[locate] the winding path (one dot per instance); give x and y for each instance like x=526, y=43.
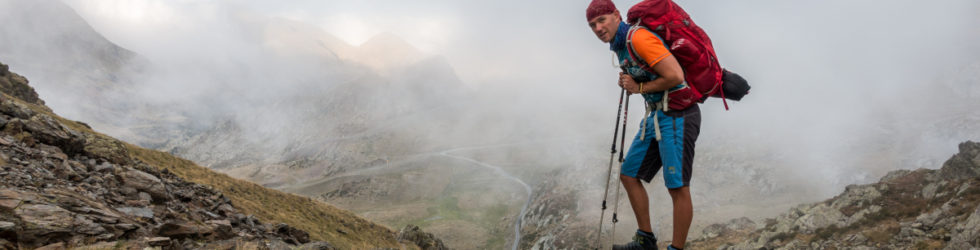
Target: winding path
x=445, y=153
x=501, y=172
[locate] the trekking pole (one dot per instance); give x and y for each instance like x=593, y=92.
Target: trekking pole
x=612, y=154
x=622, y=147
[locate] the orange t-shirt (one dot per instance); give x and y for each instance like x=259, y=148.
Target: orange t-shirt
x=649, y=47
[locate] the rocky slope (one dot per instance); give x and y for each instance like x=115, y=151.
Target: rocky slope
x=920, y=209
x=63, y=185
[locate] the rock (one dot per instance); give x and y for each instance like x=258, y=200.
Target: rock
x=85, y=226
x=129, y=191
x=181, y=229
x=45, y=218
x=965, y=164
x=158, y=241
x=292, y=235
x=226, y=210
x=143, y=196
x=48, y=131
x=966, y=235
x=894, y=175
x=106, y=245
x=142, y=212
x=147, y=183
x=278, y=245
x=319, y=245
x=100, y=146
x=929, y=191
x=819, y=216
x=222, y=229
x=55, y=246
x=105, y=167
x=426, y=241
x=64, y=171
x=17, y=86
x=126, y=226
x=10, y=199
x=739, y=224
x=16, y=110
x=6, y=245
x=43, y=223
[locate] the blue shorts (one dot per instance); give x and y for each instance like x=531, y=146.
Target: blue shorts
x=674, y=152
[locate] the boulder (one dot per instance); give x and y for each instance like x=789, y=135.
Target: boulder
x=426, y=241
x=17, y=86
x=10, y=199
x=11, y=108
x=222, y=229
x=147, y=183
x=292, y=235
x=45, y=218
x=43, y=223
x=100, y=146
x=48, y=131
x=965, y=164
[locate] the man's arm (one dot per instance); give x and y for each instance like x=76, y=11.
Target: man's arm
x=669, y=73
x=664, y=64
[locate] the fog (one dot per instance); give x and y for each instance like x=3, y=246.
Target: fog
x=835, y=83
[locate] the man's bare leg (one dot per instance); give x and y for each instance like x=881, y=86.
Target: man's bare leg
x=683, y=214
x=638, y=200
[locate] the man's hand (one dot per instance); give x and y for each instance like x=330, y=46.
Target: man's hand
x=626, y=81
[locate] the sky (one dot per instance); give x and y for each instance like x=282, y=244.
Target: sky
x=821, y=71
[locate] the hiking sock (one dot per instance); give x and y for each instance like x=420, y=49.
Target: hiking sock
x=672, y=247
x=645, y=233
x=641, y=241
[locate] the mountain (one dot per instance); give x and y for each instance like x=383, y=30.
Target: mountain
x=386, y=52
x=76, y=69
x=65, y=185
x=293, y=38
x=921, y=209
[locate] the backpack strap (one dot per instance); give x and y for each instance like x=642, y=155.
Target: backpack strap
x=631, y=50
x=639, y=61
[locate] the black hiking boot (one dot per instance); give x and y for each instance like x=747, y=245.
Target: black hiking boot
x=641, y=241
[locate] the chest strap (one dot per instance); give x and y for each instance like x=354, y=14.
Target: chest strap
x=650, y=108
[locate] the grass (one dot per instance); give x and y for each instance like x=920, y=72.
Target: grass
x=324, y=222
x=340, y=228
x=446, y=208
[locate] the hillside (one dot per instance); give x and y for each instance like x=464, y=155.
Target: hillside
x=920, y=209
x=64, y=184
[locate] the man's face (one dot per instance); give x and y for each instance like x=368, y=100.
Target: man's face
x=605, y=26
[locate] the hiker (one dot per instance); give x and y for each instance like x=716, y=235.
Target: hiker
x=666, y=138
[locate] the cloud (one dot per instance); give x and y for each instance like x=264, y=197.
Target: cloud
x=823, y=72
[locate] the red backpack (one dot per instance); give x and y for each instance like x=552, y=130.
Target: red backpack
x=688, y=42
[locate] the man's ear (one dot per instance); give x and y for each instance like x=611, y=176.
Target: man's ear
x=619, y=18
